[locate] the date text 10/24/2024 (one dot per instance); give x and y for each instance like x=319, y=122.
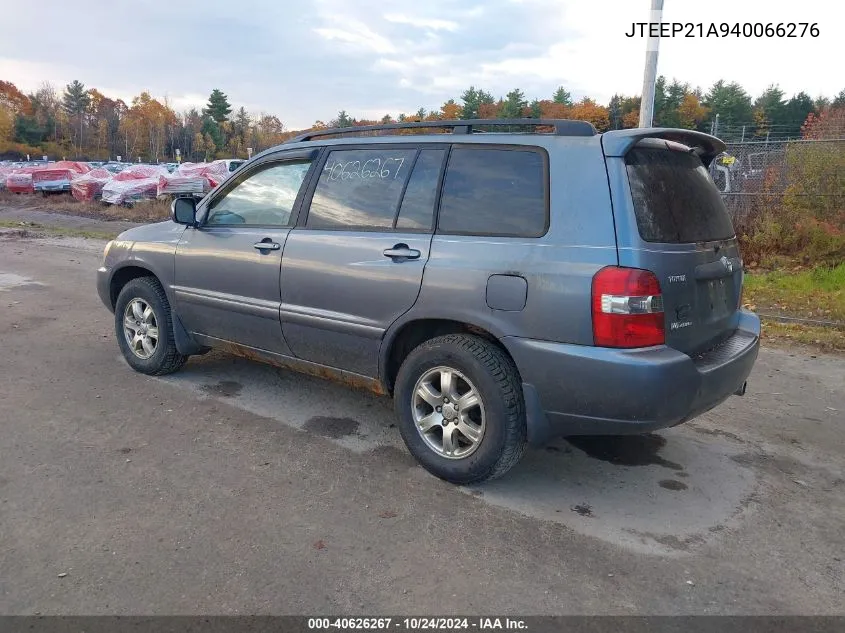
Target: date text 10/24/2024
x=418, y=624
x=723, y=29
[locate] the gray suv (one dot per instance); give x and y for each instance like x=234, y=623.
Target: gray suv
x=504, y=288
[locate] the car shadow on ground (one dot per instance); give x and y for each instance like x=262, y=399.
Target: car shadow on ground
x=661, y=493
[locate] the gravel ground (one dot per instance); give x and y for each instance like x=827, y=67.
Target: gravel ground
x=232, y=488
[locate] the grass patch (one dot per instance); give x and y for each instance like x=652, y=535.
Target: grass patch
x=817, y=293
x=32, y=229
x=828, y=339
x=143, y=211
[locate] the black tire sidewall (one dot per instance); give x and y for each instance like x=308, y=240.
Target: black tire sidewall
x=484, y=459
x=141, y=289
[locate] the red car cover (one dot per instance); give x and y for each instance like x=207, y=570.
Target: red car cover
x=57, y=176
x=20, y=180
x=137, y=182
x=193, y=178
x=89, y=186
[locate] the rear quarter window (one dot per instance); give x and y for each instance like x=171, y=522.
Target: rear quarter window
x=675, y=201
x=501, y=192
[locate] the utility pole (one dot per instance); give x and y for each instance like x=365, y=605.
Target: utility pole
x=650, y=75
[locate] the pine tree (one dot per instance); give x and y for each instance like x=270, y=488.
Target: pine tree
x=212, y=135
x=218, y=107
x=470, y=98
x=562, y=96
x=730, y=102
x=242, y=122
x=770, y=110
x=614, y=109
x=798, y=108
x=513, y=105
x=343, y=120
x=75, y=101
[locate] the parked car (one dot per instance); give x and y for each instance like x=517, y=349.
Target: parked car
x=89, y=186
x=134, y=183
x=502, y=288
x=115, y=167
x=196, y=179
x=233, y=163
x=56, y=177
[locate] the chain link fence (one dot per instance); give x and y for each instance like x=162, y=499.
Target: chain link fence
x=759, y=175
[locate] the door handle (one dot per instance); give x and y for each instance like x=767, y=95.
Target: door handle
x=401, y=251
x=267, y=246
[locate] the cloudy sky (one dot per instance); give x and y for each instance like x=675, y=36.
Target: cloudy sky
x=305, y=60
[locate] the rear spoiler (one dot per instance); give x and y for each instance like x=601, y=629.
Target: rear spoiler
x=705, y=146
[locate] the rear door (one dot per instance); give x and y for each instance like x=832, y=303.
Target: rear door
x=671, y=220
x=355, y=263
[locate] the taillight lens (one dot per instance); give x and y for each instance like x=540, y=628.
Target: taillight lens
x=627, y=308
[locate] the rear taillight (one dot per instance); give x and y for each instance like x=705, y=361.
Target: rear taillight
x=627, y=308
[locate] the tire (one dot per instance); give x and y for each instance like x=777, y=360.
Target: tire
x=162, y=357
x=486, y=370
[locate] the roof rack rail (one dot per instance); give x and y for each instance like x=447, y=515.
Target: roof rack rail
x=562, y=127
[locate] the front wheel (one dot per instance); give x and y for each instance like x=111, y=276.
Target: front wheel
x=144, y=328
x=460, y=407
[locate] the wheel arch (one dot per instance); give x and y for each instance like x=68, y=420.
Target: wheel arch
x=404, y=337
x=185, y=342
x=124, y=275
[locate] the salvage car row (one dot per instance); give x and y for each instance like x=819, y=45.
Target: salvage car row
x=115, y=183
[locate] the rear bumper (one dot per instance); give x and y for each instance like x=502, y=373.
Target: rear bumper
x=582, y=390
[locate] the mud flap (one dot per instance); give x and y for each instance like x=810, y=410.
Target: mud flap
x=185, y=343
x=538, y=428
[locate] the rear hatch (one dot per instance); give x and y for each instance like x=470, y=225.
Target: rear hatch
x=671, y=220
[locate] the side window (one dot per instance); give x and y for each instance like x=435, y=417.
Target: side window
x=360, y=188
x=266, y=197
x=421, y=193
x=494, y=192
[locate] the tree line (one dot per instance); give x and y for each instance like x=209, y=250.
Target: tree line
x=81, y=122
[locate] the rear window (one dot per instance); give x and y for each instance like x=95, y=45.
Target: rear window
x=360, y=188
x=494, y=192
x=674, y=198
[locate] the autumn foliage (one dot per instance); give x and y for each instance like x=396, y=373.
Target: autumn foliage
x=84, y=123
x=800, y=209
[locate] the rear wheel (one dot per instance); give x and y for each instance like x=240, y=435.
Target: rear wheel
x=460, y=408
x=144, y=328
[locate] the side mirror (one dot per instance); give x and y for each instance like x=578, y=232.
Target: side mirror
x=184, y=211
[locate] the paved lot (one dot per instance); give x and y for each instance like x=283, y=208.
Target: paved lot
x=232, y=487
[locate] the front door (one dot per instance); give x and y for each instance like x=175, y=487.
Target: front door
x=355, y=264
x=227, y=268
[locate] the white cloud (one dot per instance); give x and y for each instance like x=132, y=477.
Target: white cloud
x=187, y=101
x=359, y=35
x=433, y=62
x=28, y=75
x=423, y=23
x=364, y=56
